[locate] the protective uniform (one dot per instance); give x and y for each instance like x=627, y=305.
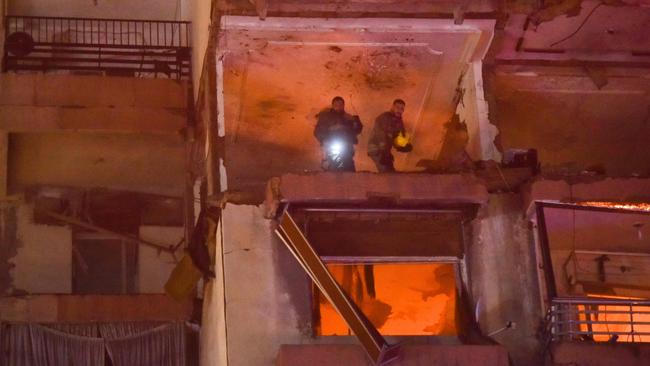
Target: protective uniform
x=342, y=126
x=330, y=121
x=387, y=127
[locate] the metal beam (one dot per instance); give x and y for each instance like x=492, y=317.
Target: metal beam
x=85, y=225
x=549, y=276
x=376, y=347
x=579, y=207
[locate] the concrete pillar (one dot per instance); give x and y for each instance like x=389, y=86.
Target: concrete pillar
x=474, y=111
x=503, y=277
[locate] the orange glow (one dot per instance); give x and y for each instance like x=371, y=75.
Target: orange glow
x=625, y=206
x=620, y=328
x=410, y=299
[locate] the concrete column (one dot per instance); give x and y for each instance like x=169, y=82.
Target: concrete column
x=474, y=111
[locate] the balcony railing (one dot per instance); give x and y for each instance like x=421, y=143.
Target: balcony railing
x=149, y=48
x=600, y=320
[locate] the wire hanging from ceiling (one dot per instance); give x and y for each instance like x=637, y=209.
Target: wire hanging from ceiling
x=579, y=27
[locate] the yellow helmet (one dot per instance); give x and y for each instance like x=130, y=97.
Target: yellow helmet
x=401, y=140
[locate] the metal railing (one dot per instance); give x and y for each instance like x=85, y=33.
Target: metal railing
x=591, y=319
x=141, y=47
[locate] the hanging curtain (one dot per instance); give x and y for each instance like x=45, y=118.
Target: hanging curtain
x=145, y=344
x=79, y=329
x=15, y=345
x=52, y=347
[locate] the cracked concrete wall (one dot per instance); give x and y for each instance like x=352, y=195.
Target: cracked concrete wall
x=574, y=124
x=37, y=259
x=267, y=293
x=43, y=261
x=473, y=111
x=503, y=277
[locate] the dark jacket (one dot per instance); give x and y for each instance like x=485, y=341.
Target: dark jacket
x=387, y=127
x=332, y=122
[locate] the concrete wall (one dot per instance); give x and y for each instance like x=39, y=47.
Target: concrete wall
x=267, y=293
x=40, y=256
x=131, y=128
x=154, y=267
x=503, y=278
x=138, y=163
x=573, y=123
x=43, y=262
x=213, y=342
x=56, y=103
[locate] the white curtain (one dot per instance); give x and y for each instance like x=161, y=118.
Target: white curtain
x=15, y=345
x=145, y=344
x=51, y=347
x=128, y=344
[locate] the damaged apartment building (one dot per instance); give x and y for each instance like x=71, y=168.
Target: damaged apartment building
x=164, y=199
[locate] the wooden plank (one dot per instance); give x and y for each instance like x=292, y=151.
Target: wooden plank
x=620, y=270
x=376, y=347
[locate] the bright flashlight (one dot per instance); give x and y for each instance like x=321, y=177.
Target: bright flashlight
x=336, y=148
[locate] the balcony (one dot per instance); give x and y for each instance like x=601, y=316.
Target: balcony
x=136, y=48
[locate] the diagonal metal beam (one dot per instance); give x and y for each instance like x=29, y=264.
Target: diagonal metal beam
x=85, y=225
x=380, y=352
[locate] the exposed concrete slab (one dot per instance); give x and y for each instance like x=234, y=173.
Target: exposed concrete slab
x=47, y=90
x=410, y=355
x=447, y=188
x=95, y=119
x=601, y=354
x=599, y=189
x=89, y=308
x=54, y=103
x=43, y=308
x=137, y=163
x=18, y=89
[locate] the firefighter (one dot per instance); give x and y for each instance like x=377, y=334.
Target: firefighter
x=387, y=133
x=337, y=132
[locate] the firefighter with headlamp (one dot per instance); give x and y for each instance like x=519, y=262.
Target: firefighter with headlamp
x=337, y=132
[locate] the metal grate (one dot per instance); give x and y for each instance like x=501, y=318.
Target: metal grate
x=149, y=48
x=590, y=319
